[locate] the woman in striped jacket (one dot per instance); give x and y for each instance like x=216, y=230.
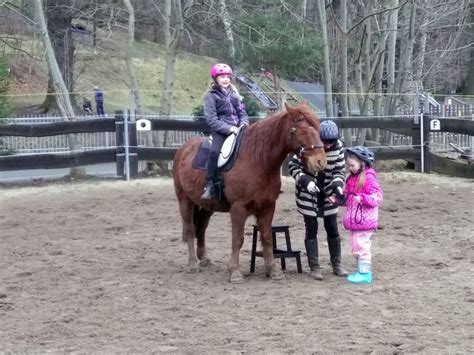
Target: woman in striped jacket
x=312, y=199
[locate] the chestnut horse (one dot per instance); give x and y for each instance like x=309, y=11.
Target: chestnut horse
x=252, y=185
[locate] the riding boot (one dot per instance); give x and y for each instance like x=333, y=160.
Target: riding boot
x=334, y=245
x=209, y=190
x=313, y=259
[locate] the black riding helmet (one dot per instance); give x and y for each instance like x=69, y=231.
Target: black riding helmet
x=363, y=153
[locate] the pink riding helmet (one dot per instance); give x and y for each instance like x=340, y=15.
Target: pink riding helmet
x=220, y=69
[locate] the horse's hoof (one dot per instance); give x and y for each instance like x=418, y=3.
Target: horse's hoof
x=193, y=268
x=205, y=262
x=236, y=277
x=275, y=274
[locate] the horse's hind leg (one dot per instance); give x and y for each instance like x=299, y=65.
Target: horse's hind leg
x=186, y=209
x=201, y=221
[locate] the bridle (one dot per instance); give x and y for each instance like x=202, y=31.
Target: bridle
x=301, y=148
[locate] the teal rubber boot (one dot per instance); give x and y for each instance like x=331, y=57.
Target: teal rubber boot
x=364, y=273
x=359, y=278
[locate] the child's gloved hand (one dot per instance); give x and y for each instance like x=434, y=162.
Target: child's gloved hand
x=234, y=129
x=335, y=184
x=337, y=199
x=312, y=188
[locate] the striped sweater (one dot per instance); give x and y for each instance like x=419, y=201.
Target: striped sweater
x=318, y=204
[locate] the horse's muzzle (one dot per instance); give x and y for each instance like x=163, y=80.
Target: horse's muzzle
x=316, y=164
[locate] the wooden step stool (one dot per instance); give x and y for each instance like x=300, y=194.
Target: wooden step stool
x=278, y=252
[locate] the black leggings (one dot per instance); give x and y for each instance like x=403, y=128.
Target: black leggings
x=217, y=142
x=330, y=225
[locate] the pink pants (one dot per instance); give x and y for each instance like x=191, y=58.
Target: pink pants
x=359, y=242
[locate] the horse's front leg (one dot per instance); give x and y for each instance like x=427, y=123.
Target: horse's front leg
x=186, y=208
x=238, y=215
x=264, y=223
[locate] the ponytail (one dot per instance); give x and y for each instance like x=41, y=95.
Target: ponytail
x=234, y=89
x=361, y=180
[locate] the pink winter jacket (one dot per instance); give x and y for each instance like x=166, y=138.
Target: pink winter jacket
x=363, y=216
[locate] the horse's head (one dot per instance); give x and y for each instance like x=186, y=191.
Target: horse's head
x=304, y=139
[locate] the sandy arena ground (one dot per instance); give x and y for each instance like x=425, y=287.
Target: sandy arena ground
x=100, y=267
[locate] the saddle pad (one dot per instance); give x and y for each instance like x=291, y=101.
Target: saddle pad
x=202, y=155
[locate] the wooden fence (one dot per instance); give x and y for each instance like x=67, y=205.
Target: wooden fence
x=417, y=128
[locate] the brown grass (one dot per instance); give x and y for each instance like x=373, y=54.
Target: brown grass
x=105, y=66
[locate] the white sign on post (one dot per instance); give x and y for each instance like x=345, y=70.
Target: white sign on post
x=143, y=125
x=435, y=125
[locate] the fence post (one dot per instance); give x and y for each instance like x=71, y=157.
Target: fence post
x=132, y=149
x=426, y=144
x=416, y=141
x=119, y=142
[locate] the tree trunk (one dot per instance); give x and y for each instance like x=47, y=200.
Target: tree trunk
x=172, y=42
x=59, y=22
x=61, y=92
x=227, y=21
x=470, y=74
x=406, y=51
x=366, y=78
x=391, y=55
x=130, y=67
x=378, y=79
x=344, y=75
x=419, y=61
x=327, y=65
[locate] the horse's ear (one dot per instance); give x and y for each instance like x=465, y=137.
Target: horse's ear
x=289, y=109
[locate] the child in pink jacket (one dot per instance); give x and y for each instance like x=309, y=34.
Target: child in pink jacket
x=363, y=195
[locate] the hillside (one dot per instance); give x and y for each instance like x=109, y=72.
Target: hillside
x=106, y=68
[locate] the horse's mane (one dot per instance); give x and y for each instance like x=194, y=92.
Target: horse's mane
x=309, y=115
x=260, y=137
x=268, y=133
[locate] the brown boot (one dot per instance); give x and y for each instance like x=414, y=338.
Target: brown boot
x=334, y=245
x=313, y=259
x=316, y=274
x=339, y=270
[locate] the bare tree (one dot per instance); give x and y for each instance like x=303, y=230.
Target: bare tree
x=173, y=36
x=344, y=96
x=327, y=66
x=227, y=21
x=470, y=77
x=129, y=58
x=59, y=19
x=60, y=89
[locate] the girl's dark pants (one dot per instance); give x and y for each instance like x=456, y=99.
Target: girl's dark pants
x=209, y=190
x=311, y=241
x=217, y=142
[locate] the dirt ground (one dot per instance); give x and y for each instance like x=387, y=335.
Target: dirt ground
x=100, y=267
